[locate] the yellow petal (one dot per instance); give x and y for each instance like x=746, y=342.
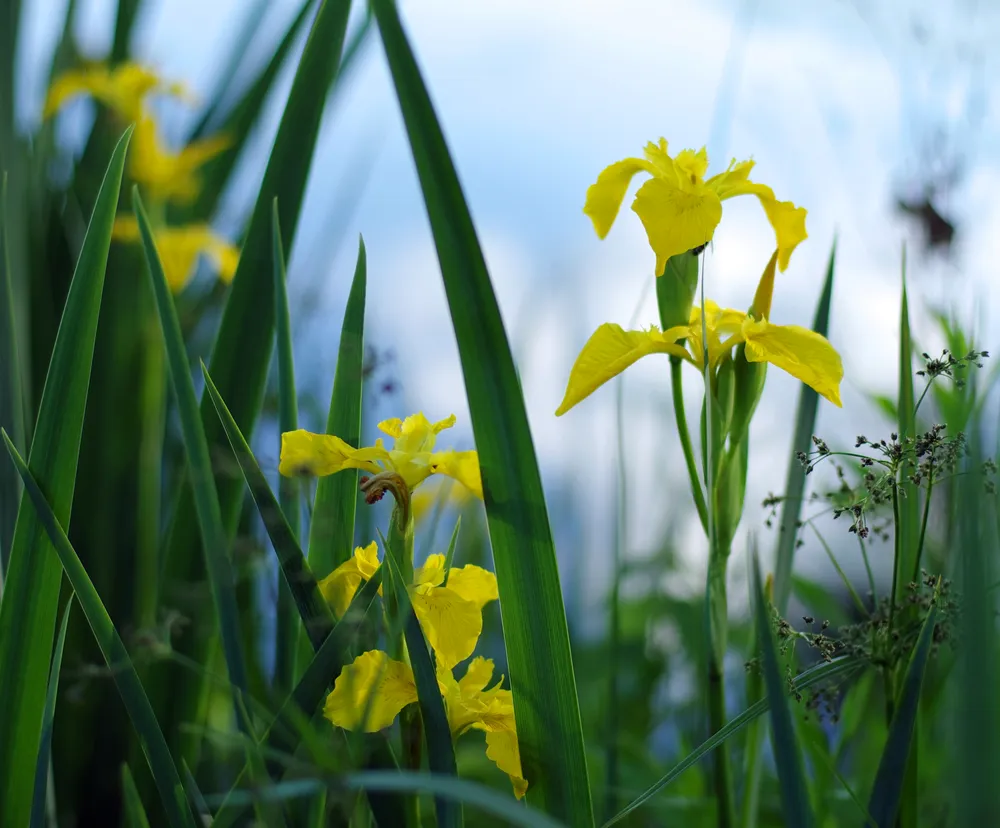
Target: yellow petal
x=338, y=588
x=303, y=452
x=737, y=173
x=502, y=748
x=72, y=83
x=761, y=307
x=125, y=228
x=605, y=196
x=477, y=676
x=366, y=558
x=451, y=624
x=462, y=466
x=372, y=683
x=166, y=174
x=473, y=583
x=804, y=354
x=788, y=221
x=121, y=89
x=692, y=164
x=676, y=219
x=609, y=351
x=431, y=573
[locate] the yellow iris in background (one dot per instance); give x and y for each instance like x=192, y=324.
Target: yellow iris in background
x=381, y=687
x=450, y=615
x=803, y=353
x=412, y=455
x=679, y=208
x=167, y=175
x=122, y=89
x=180, y=247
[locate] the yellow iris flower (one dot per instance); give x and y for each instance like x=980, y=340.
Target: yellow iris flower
x=179, y=248
x=166, y=175
x=679, y=208
x=121, y=89
x=803, y=353
x=450, y=616
x=382, y=687
x=412, y=455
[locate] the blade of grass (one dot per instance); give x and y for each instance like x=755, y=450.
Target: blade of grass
x=28, y=612
x=883, y=805
x=42, y=767
x=11, y=391
x=819, y=674
x=795, y=476
x=116, y=657
x=194, y=794
x=135, y=814
x=206, y=498
x=288, y=487
x=331, y=533
x=437, y=734
x=534, y=618
x=791, y=775
x=241, y=356
x=296, y=573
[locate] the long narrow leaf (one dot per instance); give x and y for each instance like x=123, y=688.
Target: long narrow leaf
x=135, y=814
x=112, y=647
x=437, y=734
x=206, y=497
x=534, y=618
x=45, y=750
x=331, y=533
x=795, y=476
x=791, y=774
x=295, y=570
x=819, y=674
x=288, y=487
x=909, y=502
x=28, y=613
x=885, y=798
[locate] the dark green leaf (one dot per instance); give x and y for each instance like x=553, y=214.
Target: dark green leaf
x=135, y=814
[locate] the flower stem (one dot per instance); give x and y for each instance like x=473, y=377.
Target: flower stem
x=717, y=610
x=923, y=524
x=682, y=430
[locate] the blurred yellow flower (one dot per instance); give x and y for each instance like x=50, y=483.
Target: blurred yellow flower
x=121, y=89
x=179, y=248
x=679, y=208
x=382, y=687
x=412, y=455
x=450, y=615
x=428, y=497
x=804, y=354
x=166, y=175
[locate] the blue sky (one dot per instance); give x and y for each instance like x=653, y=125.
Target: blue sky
x=836, y=102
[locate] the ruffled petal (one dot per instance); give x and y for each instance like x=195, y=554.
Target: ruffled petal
x=462, y=466
x=605, y=196
x=303, y=452
x=338, y=588
x=502, y=748
x=676, y=219
x=804, y=354
x=738, y=172
x=431, y=573
x=473, y=583
x=477, y=676
x=609, y=351
x=372, y=683
x=366, y=558
x=451, y=624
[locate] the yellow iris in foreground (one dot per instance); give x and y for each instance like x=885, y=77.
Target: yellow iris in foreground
x=679, y=208
x=121, y=89
x=382, y=687
x=412, y=455
x=164, y=174
x=179, y=248
x=451, y=615
x=804, y=354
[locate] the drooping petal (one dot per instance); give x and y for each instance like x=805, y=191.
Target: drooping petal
x=372, y=683
x=804, y=354
x=502, y=748
x=431, y=573
x=676, y=219
x=605, y=196
x=303, y=452
x=462, y=466
x=166, y=174
x=366, y=558
x=473, y=583
x=121, y=89
x=451, y=624
x=609, y=351
x=788, y=221
x=339, y=587
x=477, y=676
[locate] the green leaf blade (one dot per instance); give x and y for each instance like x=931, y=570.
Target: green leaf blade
x=534, y=619
x=28, y=613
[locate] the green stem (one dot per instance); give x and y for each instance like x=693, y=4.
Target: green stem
x=682, y=430
x=887, y=676
x=923, y=525
x=718, y=632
